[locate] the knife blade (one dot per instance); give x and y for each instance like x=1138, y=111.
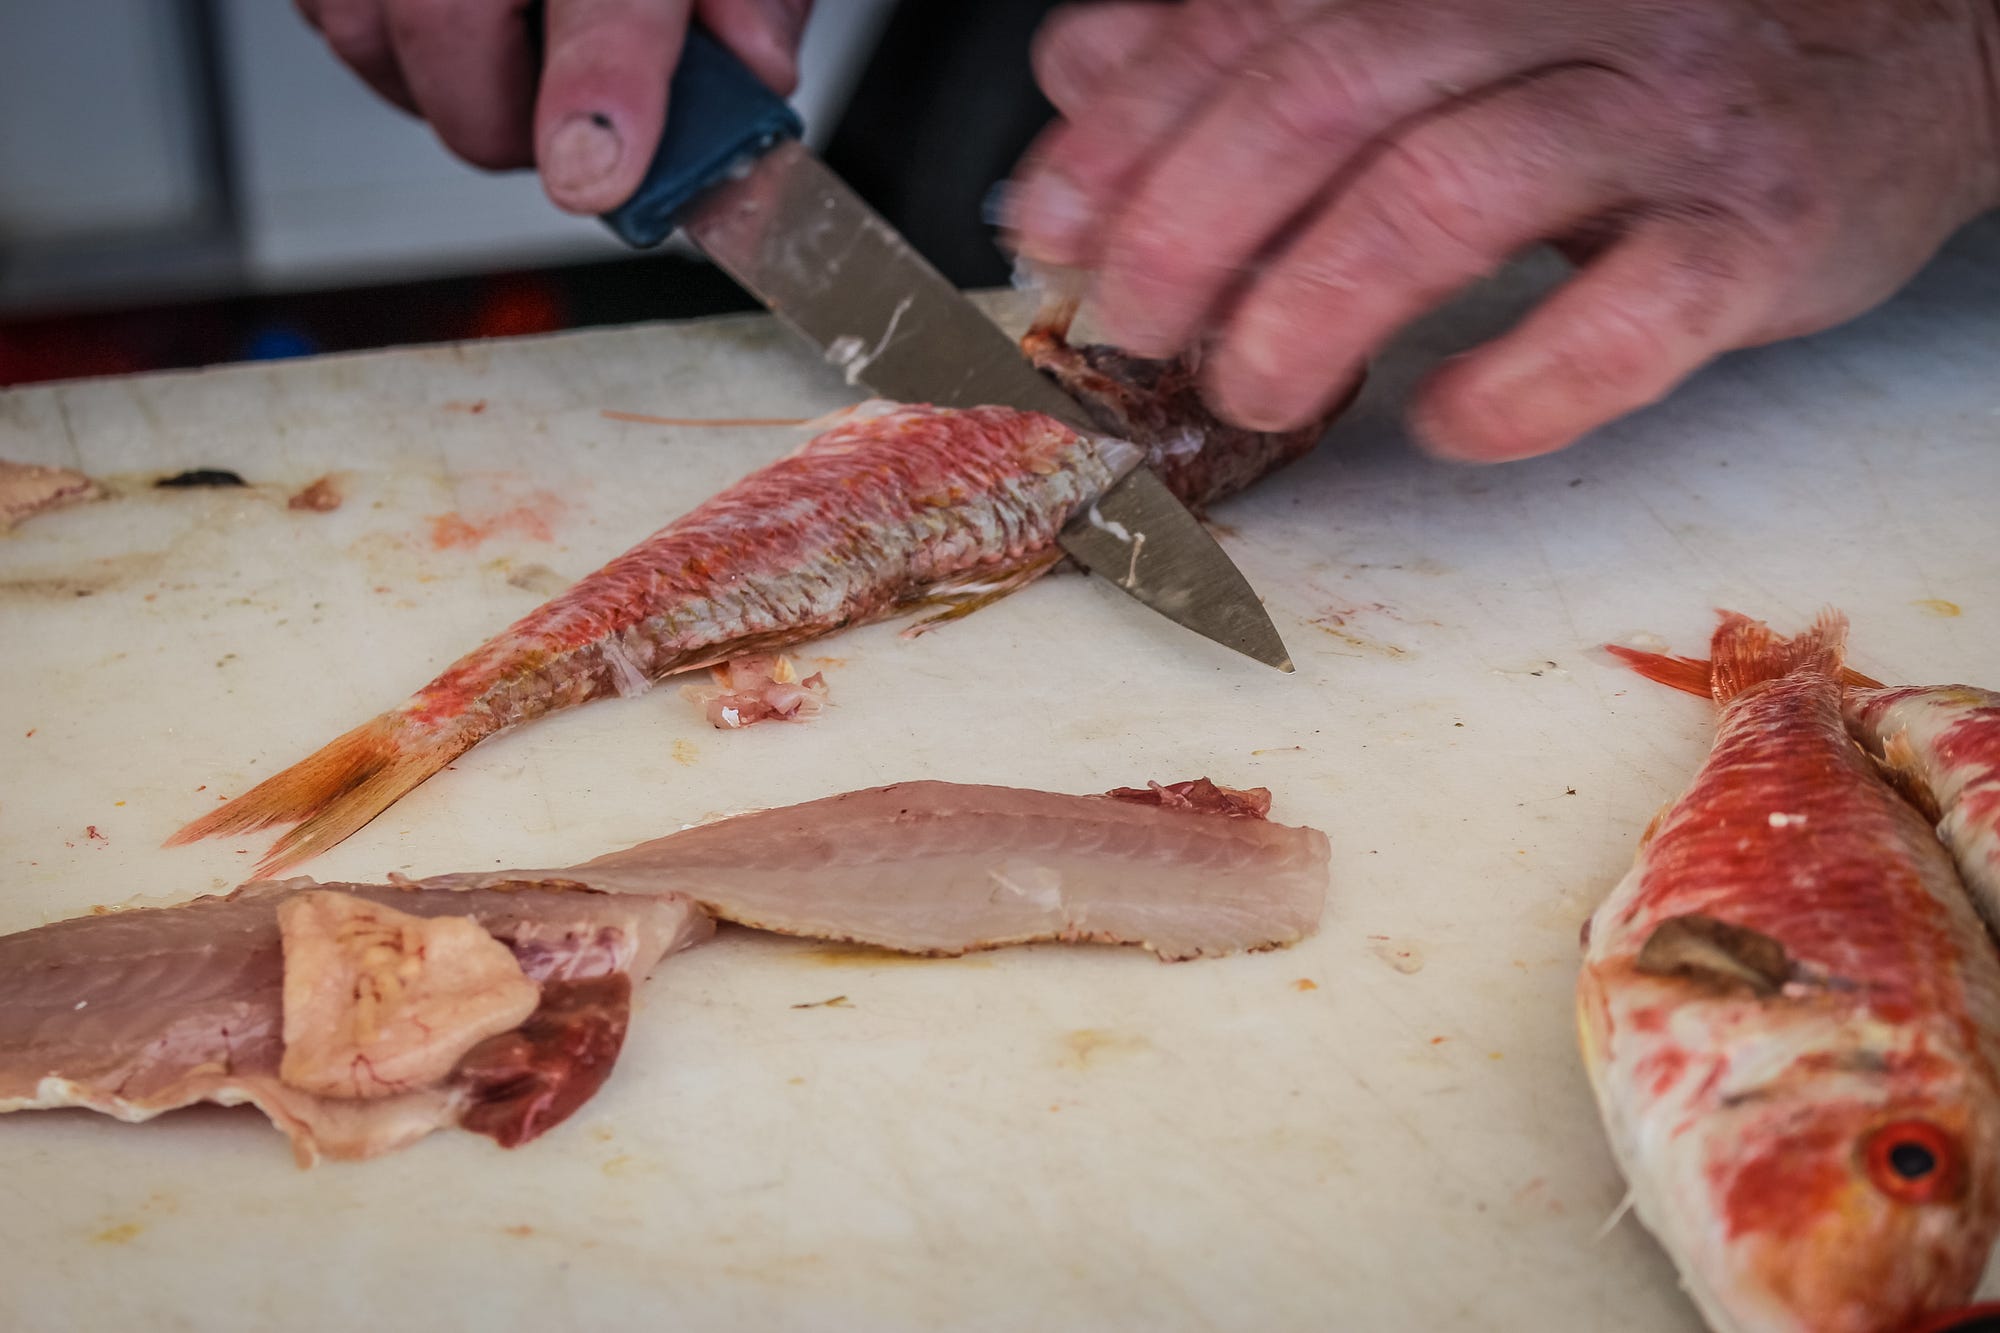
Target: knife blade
x=733, y=176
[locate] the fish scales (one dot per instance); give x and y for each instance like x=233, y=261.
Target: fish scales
x=891, y=509
x=1942, y=743
x=1789, y=1011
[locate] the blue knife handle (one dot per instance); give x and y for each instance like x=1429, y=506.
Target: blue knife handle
x=718, y=115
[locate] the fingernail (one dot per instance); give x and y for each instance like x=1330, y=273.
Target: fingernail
x=580, y=152
x=1051, y=217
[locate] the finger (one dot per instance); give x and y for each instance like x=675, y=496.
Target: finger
x=1656, y=307
x=603, y=97
x=764, y=34
x=357, y=31
x=1446, y=202
x=1278, y=135
x=1079, y=46
x=1080, y=166
x=468, y=66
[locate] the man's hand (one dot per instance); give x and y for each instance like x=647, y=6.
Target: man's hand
x=592, y=118
x=1291, y=182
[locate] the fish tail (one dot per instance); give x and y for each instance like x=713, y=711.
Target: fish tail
x=1686, y=674
x=334, y=791
x=1748, y=652
x=1690, y=675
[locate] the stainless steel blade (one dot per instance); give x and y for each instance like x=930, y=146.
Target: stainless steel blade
x=1142, y=539
x=793, y=233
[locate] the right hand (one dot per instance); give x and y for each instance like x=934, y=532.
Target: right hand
x=590, y=120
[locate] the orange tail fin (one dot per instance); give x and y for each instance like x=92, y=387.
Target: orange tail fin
x=1754, y=653
x=333, y=792
x=1687, y=674
x=1748, y=652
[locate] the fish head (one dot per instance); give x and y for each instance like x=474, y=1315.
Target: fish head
x=1837, y=1200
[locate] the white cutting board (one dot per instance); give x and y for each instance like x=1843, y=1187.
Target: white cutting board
x=1382, y=1128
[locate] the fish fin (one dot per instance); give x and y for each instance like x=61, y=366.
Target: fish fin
x=1690, y=674
x=960, y=602
x=1617, y=1216
x=1716, y=953
x=1687, y=674
x=334, y=791
x=1903, y=767
x=1748, y=652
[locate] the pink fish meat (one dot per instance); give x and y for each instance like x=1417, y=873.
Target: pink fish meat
x=1187, y=871
x=138, y=1012
x=361, y=1017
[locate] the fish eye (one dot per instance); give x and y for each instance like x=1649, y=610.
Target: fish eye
x=1912, y=1160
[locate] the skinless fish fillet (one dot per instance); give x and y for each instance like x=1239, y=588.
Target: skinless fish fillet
x=944, y=868
x=135, y=1013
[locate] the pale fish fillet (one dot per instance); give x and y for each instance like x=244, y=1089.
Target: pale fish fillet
x=1186, y=871
x=139, y=1012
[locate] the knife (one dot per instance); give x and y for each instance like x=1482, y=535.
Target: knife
x=732, y=175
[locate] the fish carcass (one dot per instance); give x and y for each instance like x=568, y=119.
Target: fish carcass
x=1788, y=1011
x=892, y=509
x=359, y=1018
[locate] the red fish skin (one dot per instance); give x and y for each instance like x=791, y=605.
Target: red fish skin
x=1836, y=881
x=1941, y=745
x=883, y=513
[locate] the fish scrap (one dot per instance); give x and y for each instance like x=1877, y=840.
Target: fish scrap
x=358, y=1018
x=27, y=489
x=893, y=509
x=1788, y=1011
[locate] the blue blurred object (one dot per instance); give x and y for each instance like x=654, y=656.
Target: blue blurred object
x=278, y=342
x=718, y=115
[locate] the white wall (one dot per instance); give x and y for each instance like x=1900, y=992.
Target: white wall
x=100, y=134
x=98, y=121
x=341, y=187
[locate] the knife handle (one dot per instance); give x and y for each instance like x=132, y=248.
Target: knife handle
x=718, y=116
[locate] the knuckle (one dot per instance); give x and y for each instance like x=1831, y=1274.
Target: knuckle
x=1310, y=96
x=1613, y=351
x=1429, y=200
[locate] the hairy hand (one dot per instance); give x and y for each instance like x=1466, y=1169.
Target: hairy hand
x=590, y=118
x=1289, y=182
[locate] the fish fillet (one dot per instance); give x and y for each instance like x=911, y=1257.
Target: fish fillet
x=945, y=868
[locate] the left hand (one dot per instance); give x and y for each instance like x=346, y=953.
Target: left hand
x=1291, y=181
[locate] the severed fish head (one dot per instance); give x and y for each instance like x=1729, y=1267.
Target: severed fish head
x=1807, y=1182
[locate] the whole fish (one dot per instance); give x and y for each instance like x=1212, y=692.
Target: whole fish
x=1941, y=743
x=1788, y=1012
x=888, y=511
